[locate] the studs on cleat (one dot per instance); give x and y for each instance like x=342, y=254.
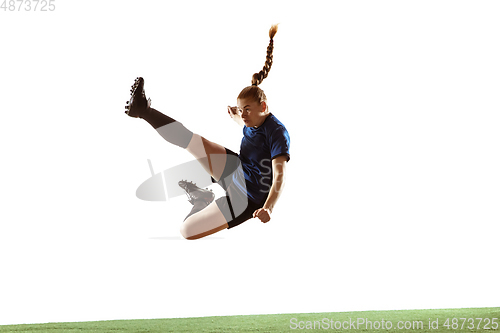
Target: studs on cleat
x=138, y=102
x=195, y=194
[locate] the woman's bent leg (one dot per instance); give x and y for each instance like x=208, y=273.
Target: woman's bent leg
x=206, y=222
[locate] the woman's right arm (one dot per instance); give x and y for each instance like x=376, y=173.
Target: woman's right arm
x=234, y=114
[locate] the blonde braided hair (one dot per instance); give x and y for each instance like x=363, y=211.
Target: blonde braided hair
x=254, y=92
x=257, y=78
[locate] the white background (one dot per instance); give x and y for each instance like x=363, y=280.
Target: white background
x=392, y=195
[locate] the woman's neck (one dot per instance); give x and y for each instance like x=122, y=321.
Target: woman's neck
x=262, y=120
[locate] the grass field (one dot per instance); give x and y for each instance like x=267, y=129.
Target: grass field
x=467, y=320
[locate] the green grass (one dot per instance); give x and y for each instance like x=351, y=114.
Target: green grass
x=282, y=323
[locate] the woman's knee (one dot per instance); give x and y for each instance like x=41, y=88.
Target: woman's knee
x=203, y=223
x=186, y=230
x=190, y=230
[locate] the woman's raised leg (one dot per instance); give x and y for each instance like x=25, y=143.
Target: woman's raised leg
x=212, y=156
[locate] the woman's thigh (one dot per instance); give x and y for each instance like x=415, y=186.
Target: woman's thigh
x=206, y=222
x=211, y=155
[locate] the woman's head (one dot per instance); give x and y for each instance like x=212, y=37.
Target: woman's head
x=254, y=97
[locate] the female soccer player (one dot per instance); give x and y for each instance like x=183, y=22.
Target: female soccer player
x=253, y=180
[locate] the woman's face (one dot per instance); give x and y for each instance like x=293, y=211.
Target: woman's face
x=253, y=113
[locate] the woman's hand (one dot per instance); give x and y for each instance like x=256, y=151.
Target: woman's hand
x=263, y=214
x=232, y=110
x=235, y=115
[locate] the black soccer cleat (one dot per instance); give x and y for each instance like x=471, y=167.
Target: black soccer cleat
x=194, y=193
x=138, y=103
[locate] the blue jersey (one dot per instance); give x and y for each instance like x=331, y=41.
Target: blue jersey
x=259, y=147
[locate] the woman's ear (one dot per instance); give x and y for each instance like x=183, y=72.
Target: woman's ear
x=264, y=106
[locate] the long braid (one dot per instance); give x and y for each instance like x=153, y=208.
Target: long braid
x=257, y=78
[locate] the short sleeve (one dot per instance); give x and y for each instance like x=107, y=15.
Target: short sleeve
x=280, y=143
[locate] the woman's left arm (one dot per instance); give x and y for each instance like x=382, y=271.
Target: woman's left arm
x=279, y=170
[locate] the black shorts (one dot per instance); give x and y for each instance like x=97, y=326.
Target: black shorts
x=235, y=207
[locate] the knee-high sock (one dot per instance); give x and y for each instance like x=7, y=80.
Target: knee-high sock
x=170, y=129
